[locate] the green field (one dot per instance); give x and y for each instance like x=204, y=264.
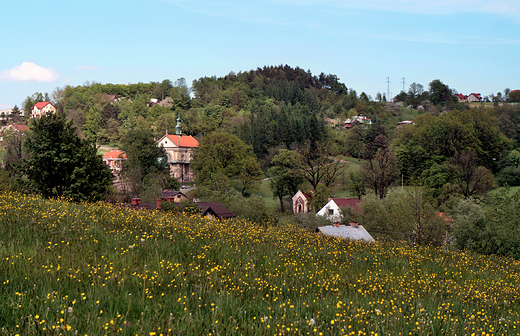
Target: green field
x=95, y=269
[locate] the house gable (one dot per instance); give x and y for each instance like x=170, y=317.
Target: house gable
x=332, y=210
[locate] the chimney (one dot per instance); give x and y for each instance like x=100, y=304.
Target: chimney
x=336, y=224
x=159, y=200
x=136, y=201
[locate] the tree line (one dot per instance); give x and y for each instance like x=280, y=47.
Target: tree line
x=275, y=123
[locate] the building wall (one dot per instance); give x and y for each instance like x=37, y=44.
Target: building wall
x=179, y=159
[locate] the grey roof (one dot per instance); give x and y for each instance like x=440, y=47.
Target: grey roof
x=355, y=232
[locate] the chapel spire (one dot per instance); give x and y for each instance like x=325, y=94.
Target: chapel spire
x=178, y=128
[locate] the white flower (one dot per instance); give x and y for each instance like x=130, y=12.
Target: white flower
x=311, y=322
x=378, y=311
x=265, y=318
x=70, y=310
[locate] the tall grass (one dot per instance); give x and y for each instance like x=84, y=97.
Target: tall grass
x=97, y=269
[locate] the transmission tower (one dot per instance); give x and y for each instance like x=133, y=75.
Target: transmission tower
x=403, y=82
x=387, y=88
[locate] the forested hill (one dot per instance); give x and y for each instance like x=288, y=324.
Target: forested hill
x=270, y=107
x=267, y=107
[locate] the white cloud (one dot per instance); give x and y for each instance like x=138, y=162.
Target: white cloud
x=87, y=67
x=29, y=72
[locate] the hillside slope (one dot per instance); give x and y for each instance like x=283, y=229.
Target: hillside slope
x=100, y=269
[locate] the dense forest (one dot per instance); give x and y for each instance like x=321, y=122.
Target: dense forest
x=287, y=124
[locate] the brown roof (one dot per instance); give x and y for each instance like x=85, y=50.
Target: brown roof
x=171, y=193
x=344, y=202
x=215, y=208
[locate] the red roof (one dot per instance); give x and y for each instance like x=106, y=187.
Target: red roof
x=343, y=202
x=183, y=141
x=40, y=105
x=21, y=127
x=461, y=96
x=114, y=154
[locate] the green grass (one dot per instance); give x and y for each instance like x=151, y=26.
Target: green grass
x=273, y=204
x=93, y=269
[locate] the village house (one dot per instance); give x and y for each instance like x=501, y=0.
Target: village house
x=42, y=108
x=173, y=196
x=179, y=150
x=404, y=122
x=474, y=97
x=302, y=202
x=12, y=128
x=461, y=98
x=114, y=160
x=8, y=114
x=332, y=210
x=360, y=119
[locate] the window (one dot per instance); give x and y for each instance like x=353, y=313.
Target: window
x=331, y=211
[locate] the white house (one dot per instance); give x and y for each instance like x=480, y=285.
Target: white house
x=332, y=210
x=42, y=108
x=474, y=97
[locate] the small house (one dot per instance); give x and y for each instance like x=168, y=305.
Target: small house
x=42, y=108
x=332, y=210
x=114, y=160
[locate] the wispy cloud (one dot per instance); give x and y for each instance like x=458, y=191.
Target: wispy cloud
x=508, y=8
x=87, y=67
x=29, y=72
x=262, y=10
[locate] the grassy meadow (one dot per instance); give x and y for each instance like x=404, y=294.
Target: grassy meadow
x=95, y=269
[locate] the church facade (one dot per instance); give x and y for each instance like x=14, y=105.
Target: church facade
x=179, y=150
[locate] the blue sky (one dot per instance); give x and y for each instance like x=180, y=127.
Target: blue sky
x=472, y=46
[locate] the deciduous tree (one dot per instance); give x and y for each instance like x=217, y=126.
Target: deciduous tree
x=285, y=175
x=318, y=164
x=468, y=175
x=381, y=171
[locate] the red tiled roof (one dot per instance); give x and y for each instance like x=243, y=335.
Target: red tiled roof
x=183, y=141
x=40, y=105
x=21, y=127
x=343, y=202
x=114, y=154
